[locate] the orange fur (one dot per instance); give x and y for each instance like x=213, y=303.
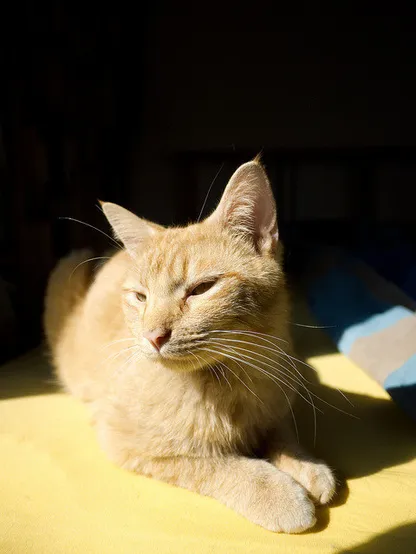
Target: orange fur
x=198, y=412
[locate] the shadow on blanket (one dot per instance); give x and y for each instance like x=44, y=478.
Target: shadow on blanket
x=356, y=442
x=395, y=540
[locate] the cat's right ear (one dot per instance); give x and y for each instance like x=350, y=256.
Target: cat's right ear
x=128, y=228
x=247, y=207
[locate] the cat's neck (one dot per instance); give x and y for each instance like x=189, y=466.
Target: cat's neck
x=230, y=384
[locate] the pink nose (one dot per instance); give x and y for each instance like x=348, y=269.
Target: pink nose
x=158, y=337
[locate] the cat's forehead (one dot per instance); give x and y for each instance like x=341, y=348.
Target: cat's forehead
x=180, y=255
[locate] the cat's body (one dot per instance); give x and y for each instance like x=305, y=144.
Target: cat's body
x=171, y=347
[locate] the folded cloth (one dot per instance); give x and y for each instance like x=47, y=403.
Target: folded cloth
x=371, y=320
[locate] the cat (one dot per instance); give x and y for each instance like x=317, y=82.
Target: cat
x=180, y=347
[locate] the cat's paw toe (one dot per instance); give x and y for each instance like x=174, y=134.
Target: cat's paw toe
x=297, y=512
x=282, y=506
x=319, y=481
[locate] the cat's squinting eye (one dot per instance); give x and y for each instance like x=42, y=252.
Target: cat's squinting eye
x=202, y=288
x=140, y=297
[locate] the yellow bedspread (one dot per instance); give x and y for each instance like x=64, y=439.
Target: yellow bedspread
x=59, y=493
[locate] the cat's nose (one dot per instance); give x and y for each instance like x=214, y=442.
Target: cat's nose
x=158, y=337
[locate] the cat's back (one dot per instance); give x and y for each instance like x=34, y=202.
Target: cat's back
x=82, y=314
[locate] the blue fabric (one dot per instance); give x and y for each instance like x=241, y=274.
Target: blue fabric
x=371, y=325
x=401, y=385
x=342, y=302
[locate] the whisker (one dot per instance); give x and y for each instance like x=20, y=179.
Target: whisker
x=291, y=377
x=215, y=373
x=291, y=357
x=85, y=261
x=92, y=227
x=266, y=348
x=272, y=376
x=221, y=373
x=224, y=375
x=261, y=337
x=239, y=348
x=213, y=369
x=239, y=365
x=312, y=326
x=192, y=354
x=115, y=355
x=247, y=332
x=210, y=367
x=115, y=342
x=272, y=360
x=193, y=363
x=209, y=190
x=129, y=360
x=280, y=387
x=311, y=367
x=242, y=382
x=317, y=397
x=134, y=357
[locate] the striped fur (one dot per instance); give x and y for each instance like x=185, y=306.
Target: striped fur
x=195, y=413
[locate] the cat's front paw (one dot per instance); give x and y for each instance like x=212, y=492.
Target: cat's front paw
x=295, y=512
x=315, y=476
x=284, y=506
x=319, y=481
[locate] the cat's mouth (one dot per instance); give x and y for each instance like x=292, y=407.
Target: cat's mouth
x=168, y=354
x=185, y=355
x=180, y=360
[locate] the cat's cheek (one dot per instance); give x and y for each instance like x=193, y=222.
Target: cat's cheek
x=133, y=316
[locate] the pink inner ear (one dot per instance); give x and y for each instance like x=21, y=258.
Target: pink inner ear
x=265, y=212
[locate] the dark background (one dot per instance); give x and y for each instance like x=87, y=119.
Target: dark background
x=142, y=105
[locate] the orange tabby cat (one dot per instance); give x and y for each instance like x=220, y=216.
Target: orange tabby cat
x=172, y=346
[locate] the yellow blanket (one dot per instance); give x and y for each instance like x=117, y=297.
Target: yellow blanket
x=59, y=493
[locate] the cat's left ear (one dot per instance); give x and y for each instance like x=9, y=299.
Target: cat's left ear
x=248, y=208
x=130, y=229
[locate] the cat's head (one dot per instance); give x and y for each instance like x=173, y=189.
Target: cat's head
x=189, y=288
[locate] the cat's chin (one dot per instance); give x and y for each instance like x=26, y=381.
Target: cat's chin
x=181, y=364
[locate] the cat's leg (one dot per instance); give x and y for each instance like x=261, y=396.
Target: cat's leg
x=314, y=475
x=253, y=488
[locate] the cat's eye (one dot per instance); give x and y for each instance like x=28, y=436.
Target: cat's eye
x=141, y=297
x=202, y=288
